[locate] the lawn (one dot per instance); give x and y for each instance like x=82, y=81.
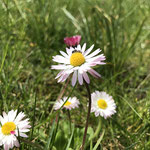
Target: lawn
x=33, y=31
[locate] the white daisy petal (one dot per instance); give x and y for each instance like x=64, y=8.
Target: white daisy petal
x=19, y=117
x=102, y=104
x=23, y=135
x=12, y=115
x=83, y=48
x=5, y=116
x=2, y=120
x=64, y=54
x=59, y=67
x=16, y=143
x=74, y=78
x=94, y=73
x=86, y=78
x=88, y=51
x=63, y=77
x=80, y=78
x=59, y=74
x=94, y=53
x=78, y=47
x=69, y=50
x=61, y=59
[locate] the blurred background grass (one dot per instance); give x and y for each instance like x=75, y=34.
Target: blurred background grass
x=32, y=31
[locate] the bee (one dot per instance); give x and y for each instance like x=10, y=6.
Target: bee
x=76, y=51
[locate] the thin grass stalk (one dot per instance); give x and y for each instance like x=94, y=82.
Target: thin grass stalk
x=2, y=103
x=99, y=140
x=97, y=129
x=96, y=133
x=32, y=144
x=55, y=132
x=88, y=116
x=71, y=138
x=49, y=141
x=33, y=118
x=69, y=116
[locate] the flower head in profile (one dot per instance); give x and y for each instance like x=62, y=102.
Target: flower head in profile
x=13, y=125
x=72, y=41
x=71, y=103
x=78, y=61
x=103, y=104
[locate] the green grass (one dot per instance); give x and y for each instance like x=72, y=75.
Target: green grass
x=32, y=31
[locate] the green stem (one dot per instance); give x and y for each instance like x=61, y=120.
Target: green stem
x=88, y=115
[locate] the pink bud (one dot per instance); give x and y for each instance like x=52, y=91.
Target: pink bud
x=72, y=41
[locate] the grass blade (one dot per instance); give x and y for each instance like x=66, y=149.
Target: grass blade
x=137, y=35
x=33, y=122
x=69, y=142
x=50, y=136
x=132, y=108
x=39, y=147
x=99, y=140
x=70, y=16
x=4, y=55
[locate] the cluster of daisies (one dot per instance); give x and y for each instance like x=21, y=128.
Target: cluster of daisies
x=77, y=62
x=102, y=104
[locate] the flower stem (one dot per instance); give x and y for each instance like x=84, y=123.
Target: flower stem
x=88, y=115
x=64, y=89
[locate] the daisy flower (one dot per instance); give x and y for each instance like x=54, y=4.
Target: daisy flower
x=13, y=125
x=71, y=103
x=78, y=61
x=102, y=104
x=72, y=41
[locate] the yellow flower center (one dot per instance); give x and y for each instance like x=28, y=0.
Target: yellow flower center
x=67, y=103
x=77, y=59
x=8, y=127
x=102, y=104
